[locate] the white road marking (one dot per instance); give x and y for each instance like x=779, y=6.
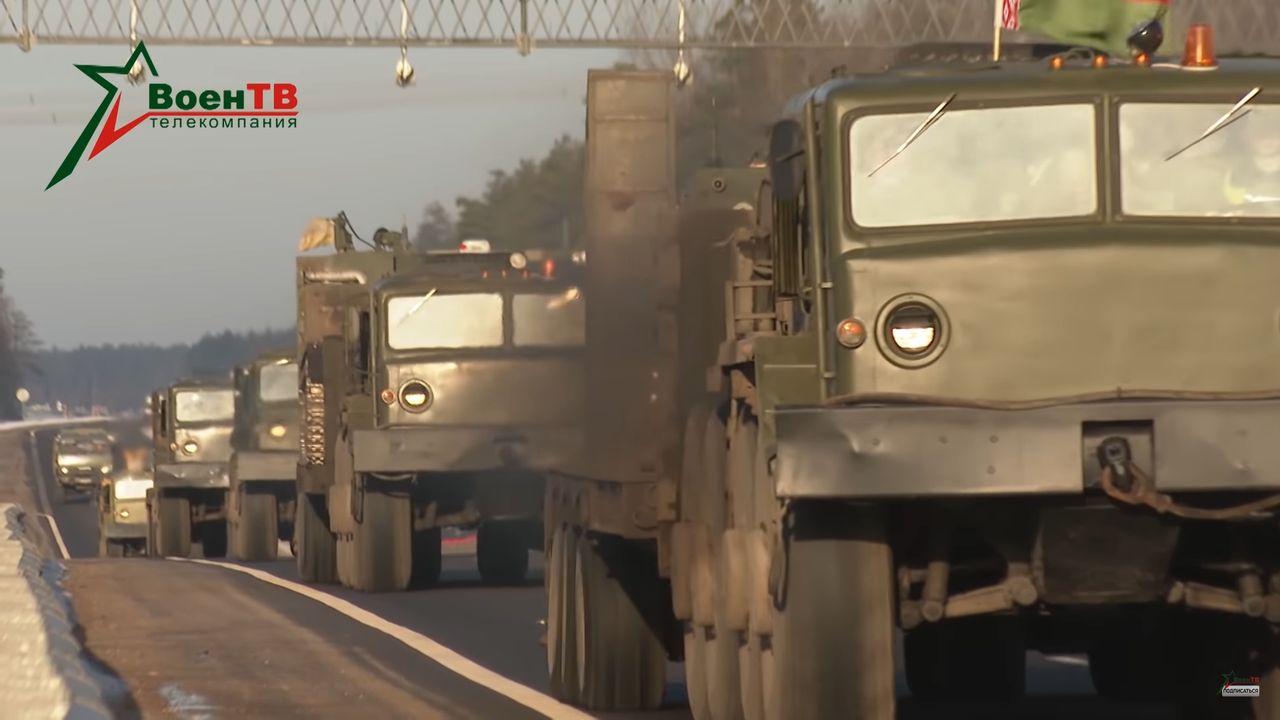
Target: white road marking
x=522, y=694
x=57, y=536
x=1068, y=660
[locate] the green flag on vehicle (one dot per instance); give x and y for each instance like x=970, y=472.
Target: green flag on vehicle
x=1100, y=24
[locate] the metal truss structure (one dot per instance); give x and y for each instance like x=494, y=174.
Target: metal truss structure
x=1241, y=26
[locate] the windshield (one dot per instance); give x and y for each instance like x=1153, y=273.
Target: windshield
x=544, y=319
x=988, y=165
x=131, y=488
x=87, y=443
x=205, y=405
x=278, y=382
x=1234, y=171
x=444, y=321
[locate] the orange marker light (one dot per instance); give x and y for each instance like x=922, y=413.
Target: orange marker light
x=1199, y=52
x=1142, y=60
x=549, y=267
x=1099, y=61
x=1056, y=62
x=388, y=396
x=851, y=333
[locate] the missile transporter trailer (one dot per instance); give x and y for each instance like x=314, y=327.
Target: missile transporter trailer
x=191, y=425
x=264, y=456
x=437, y=388
x=975, y=361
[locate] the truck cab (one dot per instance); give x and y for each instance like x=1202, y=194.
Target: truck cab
x=122, y=513
x=264, y=456
x=191, y=425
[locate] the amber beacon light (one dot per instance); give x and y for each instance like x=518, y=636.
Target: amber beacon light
x=1199, y=54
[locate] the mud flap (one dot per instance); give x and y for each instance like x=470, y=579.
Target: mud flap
x=1101, y=554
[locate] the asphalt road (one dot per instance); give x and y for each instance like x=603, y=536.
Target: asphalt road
x=496, y=628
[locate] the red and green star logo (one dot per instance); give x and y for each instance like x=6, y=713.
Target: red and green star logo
x=110, y=132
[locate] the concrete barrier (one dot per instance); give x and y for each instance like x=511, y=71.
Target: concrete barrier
x=43, y=669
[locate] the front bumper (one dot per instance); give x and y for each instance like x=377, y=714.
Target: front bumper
x=460, y=449
x=191, y=475
x=264, y=465
x=927, y=451
x=117, y=530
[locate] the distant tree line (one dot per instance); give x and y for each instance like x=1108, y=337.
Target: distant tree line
x=120, y=376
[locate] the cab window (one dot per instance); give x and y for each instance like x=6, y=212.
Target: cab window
x=431, y=320
x=974, y=166
x=204, y=405
x=556, y=319
x=278, y=383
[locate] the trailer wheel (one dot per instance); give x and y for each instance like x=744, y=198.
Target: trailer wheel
x=382, y=545
x=427, y=558
x=833, y=636
x=974, y=658
x=256, y=531
x=173, y=526
x=621, y=662
x=213, y=539
x=561, y=641
x=502, y=553
x=314, y=546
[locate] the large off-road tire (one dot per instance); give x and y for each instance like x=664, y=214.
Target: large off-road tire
x=1208, y=645
x=621, y=662
x=740, y=474
x=833, y=636
x=711, y=651
x=502, y=554
x=314, y=546
x=428, y=560
x=562, y=650
x=382, y=545
x=213, y=539
x=256, y=530
x=173, y=527
x=973, y=658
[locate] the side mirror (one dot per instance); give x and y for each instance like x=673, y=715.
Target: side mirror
x=786, y=160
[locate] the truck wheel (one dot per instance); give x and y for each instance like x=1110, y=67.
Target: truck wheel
x=621, y=665
x=741, y=477
x=314, y=545
x=427, y=560
x=256, y=530
x=173, y=531
x=501, y=553
x=833, y=637
x=973, y=658
x=561, y=643
x=213, y=539
x=382, y=544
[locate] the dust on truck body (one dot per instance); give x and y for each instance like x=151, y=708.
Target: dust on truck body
x=191, y=424
x=1007, y=388
x=449, y=388
x=264, y=457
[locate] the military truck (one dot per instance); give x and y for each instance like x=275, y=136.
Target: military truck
x=993, y=366
x=264, y=456
x=437, y=390
x=191, y=425
x=122, y=514
x=82, y=458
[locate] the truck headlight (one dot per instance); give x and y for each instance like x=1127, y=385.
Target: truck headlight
x=124, y=513
x=105, y=468
x=62, y=470
x=912, y=329
x=190, y=447
x=415, y=396
x=278, y=431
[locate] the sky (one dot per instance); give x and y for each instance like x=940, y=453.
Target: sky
x=168, y=234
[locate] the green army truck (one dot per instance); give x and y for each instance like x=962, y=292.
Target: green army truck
x=82, y=459
x=264, y=456
x=191, y=425
x=122, y=514
x=449, y=388
x=992, y=364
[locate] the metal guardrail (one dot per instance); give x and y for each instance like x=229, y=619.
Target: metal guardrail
x=43, y=670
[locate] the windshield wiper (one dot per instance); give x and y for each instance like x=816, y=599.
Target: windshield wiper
x=417, y=307
x=934, y=117
x=1227, y=118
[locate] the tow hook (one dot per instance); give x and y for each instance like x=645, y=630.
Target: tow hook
x=1114, y=453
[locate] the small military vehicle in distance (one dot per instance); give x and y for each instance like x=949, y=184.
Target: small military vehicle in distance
x=264, y=456
x=191, y=425
x=82, y=458
x=993, y=364
x=438, y=395
x=122, y=514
